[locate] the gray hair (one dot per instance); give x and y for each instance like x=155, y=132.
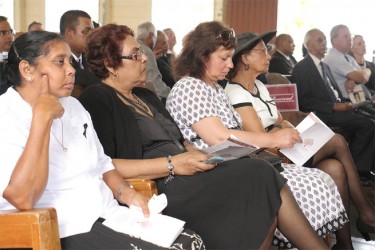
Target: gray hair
x=145, y=29
x=307, y=38
x=335, y=31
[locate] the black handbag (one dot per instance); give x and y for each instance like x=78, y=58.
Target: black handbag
x=272, y=158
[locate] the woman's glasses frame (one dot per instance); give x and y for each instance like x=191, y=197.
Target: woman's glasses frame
x=137, y=56
x=265, y=51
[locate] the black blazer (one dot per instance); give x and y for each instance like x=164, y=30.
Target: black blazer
x=84, y=76
x=312, y=94
x=279, y=64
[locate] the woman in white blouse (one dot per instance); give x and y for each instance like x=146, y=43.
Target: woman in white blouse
x=252, y=101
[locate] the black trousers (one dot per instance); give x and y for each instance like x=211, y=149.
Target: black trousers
x=362, y=143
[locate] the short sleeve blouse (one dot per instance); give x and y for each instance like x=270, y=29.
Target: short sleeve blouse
x=192, y=100
x=262, y=102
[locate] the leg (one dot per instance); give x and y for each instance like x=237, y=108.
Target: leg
x=337, y=148
x=268, y=240
x=362, y=143
x=337, y=172
x=294, y=225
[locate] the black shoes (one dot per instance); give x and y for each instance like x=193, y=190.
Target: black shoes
x=365, y=229
x=367, y=179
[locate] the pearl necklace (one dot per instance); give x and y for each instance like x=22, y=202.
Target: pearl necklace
x=62, y=137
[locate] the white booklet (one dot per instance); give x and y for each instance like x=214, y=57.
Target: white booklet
x=231, y=149
x=159, y=229
x=314, y=134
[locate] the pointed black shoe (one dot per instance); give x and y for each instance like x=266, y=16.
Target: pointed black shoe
x=364, y=229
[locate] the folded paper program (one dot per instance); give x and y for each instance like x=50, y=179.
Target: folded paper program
x=231, y=149
x=161, y=230
x=314, y=134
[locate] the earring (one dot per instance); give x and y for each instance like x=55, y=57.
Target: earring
x=28, y=78
x=247, y=67
x=114, y=74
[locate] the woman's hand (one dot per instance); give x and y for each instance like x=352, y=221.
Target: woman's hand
x=47, y=104
x=132, y=197
x=286, y=138
x=189, y=163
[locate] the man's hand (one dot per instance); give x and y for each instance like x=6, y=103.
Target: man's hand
x=345, y=106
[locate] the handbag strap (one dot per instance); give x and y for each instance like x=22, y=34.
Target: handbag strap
x=175, y=141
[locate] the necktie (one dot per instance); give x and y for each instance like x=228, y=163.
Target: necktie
x=80, y=63
x=331, y=94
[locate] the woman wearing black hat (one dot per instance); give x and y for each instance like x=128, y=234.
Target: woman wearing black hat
x=203, y=112
x=252, y=101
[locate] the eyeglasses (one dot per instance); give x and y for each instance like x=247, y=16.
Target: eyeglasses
x=226, y=35
x=265, y=51
x=137, y=56
x=6, y=32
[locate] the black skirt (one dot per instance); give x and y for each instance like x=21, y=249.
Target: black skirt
x=231, y=206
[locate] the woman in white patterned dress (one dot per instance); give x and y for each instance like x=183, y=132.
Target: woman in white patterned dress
x=205, y=117
x=259, y=113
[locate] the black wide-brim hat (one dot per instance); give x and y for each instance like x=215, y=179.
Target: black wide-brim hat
x=249, y=40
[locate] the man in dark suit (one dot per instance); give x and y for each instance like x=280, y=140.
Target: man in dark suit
x=282, y=61
x=163, y=59
x=325, y=99
x=75, y=25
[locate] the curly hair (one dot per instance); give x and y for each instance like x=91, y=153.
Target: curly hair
x=198, y=45
x=105, y=44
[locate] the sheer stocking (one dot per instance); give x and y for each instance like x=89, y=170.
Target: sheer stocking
x=293, y=224
x=336, y=170
x=338, y=149
x=268, y=240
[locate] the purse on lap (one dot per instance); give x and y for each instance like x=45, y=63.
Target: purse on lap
x=272, y=158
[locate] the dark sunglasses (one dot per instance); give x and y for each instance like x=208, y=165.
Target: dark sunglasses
x=226, y=35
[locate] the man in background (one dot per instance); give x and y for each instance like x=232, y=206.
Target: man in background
x=75, y=25
x=6, y=41
x=35, y=26
x=318, y=92
x=171, y=42
x=6, y=35
x=349, y=76
x=282, y=61
x=146, y=37
x=162, y=58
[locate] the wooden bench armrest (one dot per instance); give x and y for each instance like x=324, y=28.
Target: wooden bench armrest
x=146, y=186
x=35, y=228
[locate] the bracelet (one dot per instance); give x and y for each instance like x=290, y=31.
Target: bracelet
x=119, y=190
x=170, y=168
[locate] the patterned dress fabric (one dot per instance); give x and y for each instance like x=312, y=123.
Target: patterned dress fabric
x=192, y=100
x=317, y=195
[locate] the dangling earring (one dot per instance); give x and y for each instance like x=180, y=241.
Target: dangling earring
x=246, y=67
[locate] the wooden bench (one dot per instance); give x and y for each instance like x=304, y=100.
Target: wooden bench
x=38, y=228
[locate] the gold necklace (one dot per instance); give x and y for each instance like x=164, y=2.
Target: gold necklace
x=62, y=137
x=140, y=104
